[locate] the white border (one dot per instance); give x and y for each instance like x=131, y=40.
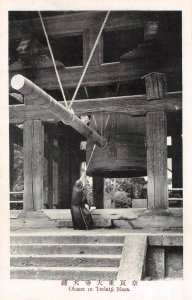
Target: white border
x=33, y=290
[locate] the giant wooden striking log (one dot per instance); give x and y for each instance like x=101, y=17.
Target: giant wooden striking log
x=33, y=92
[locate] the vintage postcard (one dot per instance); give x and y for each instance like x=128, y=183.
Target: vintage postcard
x=95, y=149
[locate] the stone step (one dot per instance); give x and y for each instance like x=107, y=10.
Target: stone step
x=65, y=239
x=89, y=260
x=42, y=249
x=59, y=273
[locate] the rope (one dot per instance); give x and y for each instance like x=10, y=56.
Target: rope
x=86, y=92
x=89, y=59
x=108, y=117
x=102, y=123
x=88, y=162
x=95, y=121
x=51, y=52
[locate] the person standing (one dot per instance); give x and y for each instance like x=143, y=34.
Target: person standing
x=81, y=216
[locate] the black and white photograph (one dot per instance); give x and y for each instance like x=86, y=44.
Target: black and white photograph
x=95, y=150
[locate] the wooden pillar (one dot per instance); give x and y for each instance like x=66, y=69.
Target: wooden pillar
x=156, y=136
x=89, y=38
x=98, y=192
x=33, y=138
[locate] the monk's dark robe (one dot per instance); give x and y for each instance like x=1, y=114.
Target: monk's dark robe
x=81, y=217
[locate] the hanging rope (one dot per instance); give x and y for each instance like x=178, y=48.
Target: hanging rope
x=51, y=52
x=95, y=122
x=108, y=117
x=102, y=122
x=89, y=59
x=82, y=176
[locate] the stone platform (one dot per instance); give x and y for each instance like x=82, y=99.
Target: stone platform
x=130, y=219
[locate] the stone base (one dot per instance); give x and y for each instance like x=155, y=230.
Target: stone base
x=129, y=218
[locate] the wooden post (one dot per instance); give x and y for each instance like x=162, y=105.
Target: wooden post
x=156, y=135
x=89, y=38
x=98, y=192
x=33, y=164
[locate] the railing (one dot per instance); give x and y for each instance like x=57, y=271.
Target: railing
x=176, y=201
x=13, y=202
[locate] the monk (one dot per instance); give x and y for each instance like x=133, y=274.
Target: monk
x=81, y=216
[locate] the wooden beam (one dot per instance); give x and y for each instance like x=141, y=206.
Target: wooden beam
x=156, y=136
x=133, y=105
x=104, y=74
x=70, y=24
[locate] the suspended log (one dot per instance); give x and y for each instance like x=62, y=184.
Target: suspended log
x=38, y=96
